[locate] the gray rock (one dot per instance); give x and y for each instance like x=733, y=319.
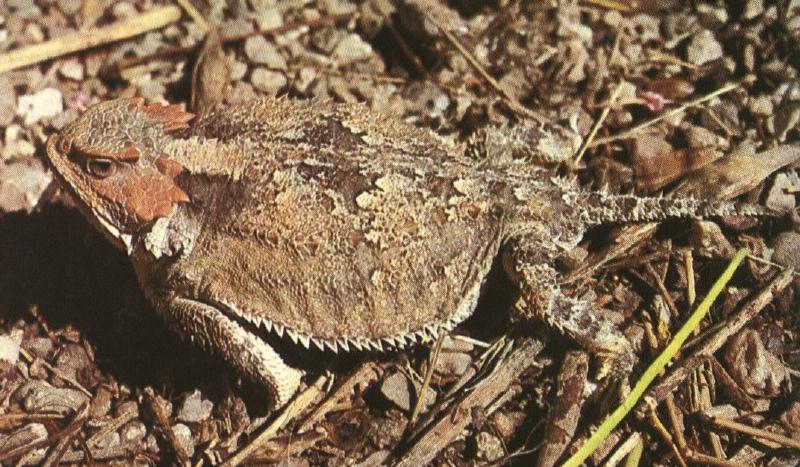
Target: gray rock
x=488, y=447
x=152, y=90
x=262, y=52
x=352, y=48
x=781, y=195
x=703, y=48
x=9, y=347
x=38, y=396
x=43, y=104
x=270, y=18
x=122, y=10
x=184, y=437
x=398, y=390
x=22, y=182
x=72, y=361
x=453, y=363
x=39, y=346
x=238, y=70
x=133, y=432
x=241, y=92
x=761, y=106
x=267, y=81
x=34, y=33
x=787, y=249
x=338, y=7
x=449, y=344
x=131, y=407
x=194, y=408
x=27, y=435
x=71, y=69
x=235, y=27
x=8, y=101
x=712, y=16
x=752, y=9
x=304, y=78
x=109, y=440
x=70, y=7
x=101, y=403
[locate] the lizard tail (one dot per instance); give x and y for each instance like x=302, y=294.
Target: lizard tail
x=605, y=208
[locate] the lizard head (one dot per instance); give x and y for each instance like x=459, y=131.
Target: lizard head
x=111, y=159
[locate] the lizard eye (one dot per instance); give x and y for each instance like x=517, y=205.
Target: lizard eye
x=101, y=167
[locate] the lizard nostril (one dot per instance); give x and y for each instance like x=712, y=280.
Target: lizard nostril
x=64, y=145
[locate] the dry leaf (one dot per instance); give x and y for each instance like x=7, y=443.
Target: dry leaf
x=733, y=175
x=655, y=163
x=671, y=88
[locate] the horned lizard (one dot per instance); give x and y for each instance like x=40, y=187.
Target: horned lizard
x=335, y=226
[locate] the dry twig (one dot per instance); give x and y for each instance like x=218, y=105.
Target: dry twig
x=297, y=405
x=163, y=423
x=451, y=423
x=94, y=37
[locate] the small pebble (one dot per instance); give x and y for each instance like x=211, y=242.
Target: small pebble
x=304, y=78
x=238, y=70
x=122, y=10
x=453, y=363
x=352, y=49
x=781, y=196
x=787, y=250
x=397, y=389
x=133, y=432
x=22, y=182
x=43, y=104
x=338, y=7
x=261, y=52
x=72, y=69
x=9, y=347
x=269, y=19
x=70, y=7
x=72, y=361
x=703, y=48
x=28, y=434
x=488, y=447
x=194, y=408
x=761, y=106
x=39, y=396
x=109, y=440
x=184, y=437
x=101, y=403
x=267, y=81
x=131, y=407
x=39, y=346
x=752, y=9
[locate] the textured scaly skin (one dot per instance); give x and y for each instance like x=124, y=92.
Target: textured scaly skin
x=333, y=225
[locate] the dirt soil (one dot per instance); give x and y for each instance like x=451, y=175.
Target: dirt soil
x=685, y=98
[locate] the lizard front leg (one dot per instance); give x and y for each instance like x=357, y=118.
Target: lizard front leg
x=530, y=263
x=213, y=331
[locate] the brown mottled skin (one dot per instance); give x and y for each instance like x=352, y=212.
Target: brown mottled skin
x=332, y=224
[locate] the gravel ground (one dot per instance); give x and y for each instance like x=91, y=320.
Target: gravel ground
x=89, y=375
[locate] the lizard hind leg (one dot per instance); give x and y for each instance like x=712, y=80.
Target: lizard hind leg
x=581, y=320
x=213, y=331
